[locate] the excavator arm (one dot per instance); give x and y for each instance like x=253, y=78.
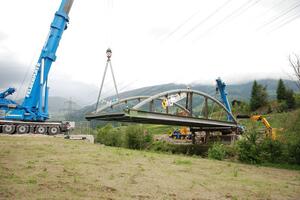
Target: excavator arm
x=270, y=132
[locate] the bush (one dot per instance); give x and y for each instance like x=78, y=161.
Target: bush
x=114, y=138
x=282, y=106
x=137, y=138
x=188, y=149
x=217, y=151
x=292, y=124
x=271, y=150
x=297, y=100
x=248, y=149
x=294, y=152
x=109, y=136
x=102, y=133
x=231, y=151
x=161, y=146
x=255, y=150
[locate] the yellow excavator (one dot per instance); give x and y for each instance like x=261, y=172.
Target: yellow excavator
x=270, y=132
x=182, y=133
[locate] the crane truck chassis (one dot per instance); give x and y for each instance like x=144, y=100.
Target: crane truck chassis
x=23, y=127
x=32, y=115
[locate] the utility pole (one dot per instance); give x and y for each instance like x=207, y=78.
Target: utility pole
x=69, y=109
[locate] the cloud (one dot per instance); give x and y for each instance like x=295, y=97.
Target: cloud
x=3, y=36
x=15, y=74
x=11, y=72
x=63, y=86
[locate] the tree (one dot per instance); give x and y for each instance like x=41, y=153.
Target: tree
x=254, y=103
x=290, y=99
x=281, y=91
x=295, y=64
x=285, y=96
x=259, y=96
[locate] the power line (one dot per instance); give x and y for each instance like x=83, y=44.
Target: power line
x=181, y=25
x=294, y=17
x=243, y=6
x=272, y=7
x=278, y=17
x=206, y=18
x=246, y=8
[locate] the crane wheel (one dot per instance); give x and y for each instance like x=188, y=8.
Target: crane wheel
x=41, y=130
x=22, y=129
x=9, y=129
x=53, y=130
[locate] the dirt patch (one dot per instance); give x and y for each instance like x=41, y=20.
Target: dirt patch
x=108, y=189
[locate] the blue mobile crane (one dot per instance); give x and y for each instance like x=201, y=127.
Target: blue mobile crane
x=32, y=114
x=221, y=87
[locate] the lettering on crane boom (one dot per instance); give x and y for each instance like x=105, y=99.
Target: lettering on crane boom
x=35, y=72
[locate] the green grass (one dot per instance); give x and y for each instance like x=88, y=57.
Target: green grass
x=282, y=166
x=54, y=168
x=159, y=129
x=182, y=162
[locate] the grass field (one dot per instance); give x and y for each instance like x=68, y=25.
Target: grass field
x=54, y=168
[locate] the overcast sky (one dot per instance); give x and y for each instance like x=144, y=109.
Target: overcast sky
x=153, y=41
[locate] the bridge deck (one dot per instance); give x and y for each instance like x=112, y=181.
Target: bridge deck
x=162, y=118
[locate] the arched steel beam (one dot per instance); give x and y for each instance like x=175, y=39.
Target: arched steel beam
x=135, y=98
x=119, y=102
x=177, y=91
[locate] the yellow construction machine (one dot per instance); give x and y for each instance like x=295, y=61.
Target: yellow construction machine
x=182, y=133
x=270, y=132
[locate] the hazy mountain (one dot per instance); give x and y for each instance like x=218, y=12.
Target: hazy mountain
x=60, y=106
x=235, y=91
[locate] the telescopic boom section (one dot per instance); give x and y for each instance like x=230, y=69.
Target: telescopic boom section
x=36, y=100
x=221, y=87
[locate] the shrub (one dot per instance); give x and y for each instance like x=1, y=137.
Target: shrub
x=161, y=146
x=102, y=133
x=297, y=100
x=294, y=152
x=230, y=151
x=109, y=136
x=217, y=151
x=292, y=124
x=271, y=150
x=248, y=149
x=114, y=138
x=137, y=138
x=282, y=106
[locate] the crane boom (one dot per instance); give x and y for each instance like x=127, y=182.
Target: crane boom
x=34, y=108
x=221, y=88
x=36, y=99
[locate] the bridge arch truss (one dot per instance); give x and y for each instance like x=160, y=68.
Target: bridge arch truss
x=194, y=109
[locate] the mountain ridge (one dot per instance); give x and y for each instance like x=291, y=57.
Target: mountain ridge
x=237, y=91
